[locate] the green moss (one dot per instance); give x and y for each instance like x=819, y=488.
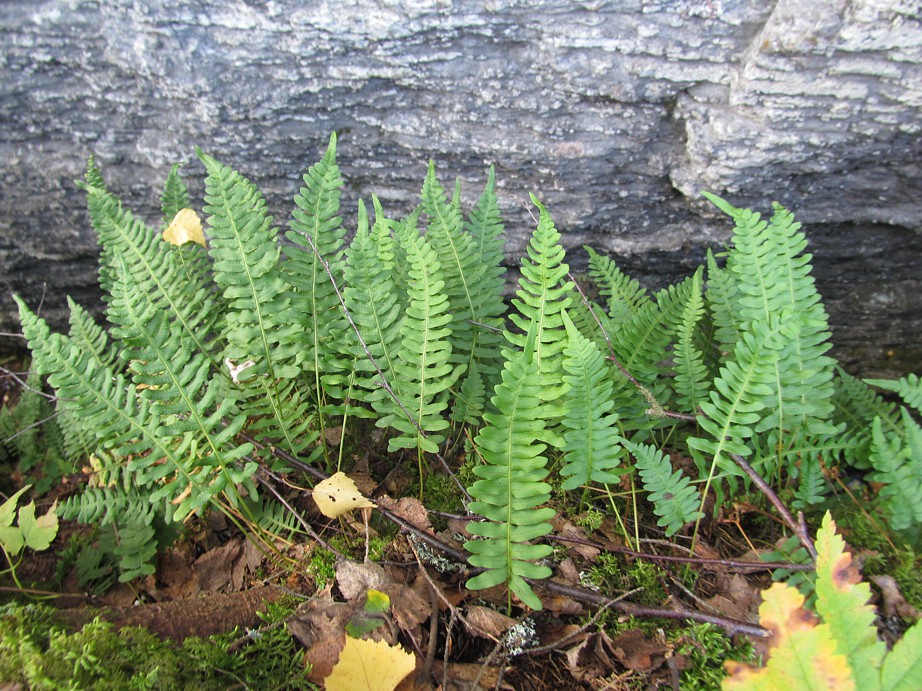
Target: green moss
x=706, y=648
x=37, y=651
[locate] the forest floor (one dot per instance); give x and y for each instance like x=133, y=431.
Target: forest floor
x=626, y=608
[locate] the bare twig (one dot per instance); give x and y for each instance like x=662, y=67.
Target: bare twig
x=798, y=527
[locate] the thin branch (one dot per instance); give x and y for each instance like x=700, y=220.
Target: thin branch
x=798, y=527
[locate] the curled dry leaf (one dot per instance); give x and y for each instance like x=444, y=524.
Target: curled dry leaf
x=186, y=227
x=338, y=495
x=410, y=509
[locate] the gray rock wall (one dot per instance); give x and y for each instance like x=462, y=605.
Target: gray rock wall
x=616, y=113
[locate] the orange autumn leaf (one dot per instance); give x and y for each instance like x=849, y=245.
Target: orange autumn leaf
x=369, y=666
x=802, y=655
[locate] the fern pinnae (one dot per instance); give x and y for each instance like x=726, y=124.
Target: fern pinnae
x=424, y=372
x=89, y=336
x=623, y=294
x=592, y=447
x=542, y=297
x=175, y=196
x=511, y=487
x=674, y=498
x=909, y=389
x=691, y=375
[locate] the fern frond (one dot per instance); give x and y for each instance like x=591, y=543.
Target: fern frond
x=909, y=389
x=424, y=372
x=371, y=297
x=89, y=336
x=511, y=487
x=692, y=381
x=722, y=294
x=623, y=295
x=772, y=275
x=189, y=401
x=735, y=404
x=674, y=499
x=592, y=447
x=175, y=196
x=542, y=297
x=897, y=462
x=316, y=220
x=259, y=325
x=153, y=266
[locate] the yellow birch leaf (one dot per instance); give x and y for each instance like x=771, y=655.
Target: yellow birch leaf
x=338, y=495
x=186, y=227
x=802, y=653
x=369, y=666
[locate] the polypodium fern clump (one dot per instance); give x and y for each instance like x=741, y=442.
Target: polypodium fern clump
x=229, y=349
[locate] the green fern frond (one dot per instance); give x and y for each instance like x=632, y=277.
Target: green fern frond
x=542, y=297
x=476, y=323
x=623, y=295
x=692, y=380
x=856, y=406
x=371, y=297
x=424, y=372
x=722, y=294
x=592, y=447
x=897, y=462
x=153, y=266
x=674, y=499
x=772, y=275
x=471, y=398
x=89, y=336
x=736, y=402
x=93, y=176
x=909, y=389
x=512, y=484
x=111, y=408
x=187, y=399
x=175, y=196
x=262, y=336
x=315, y=304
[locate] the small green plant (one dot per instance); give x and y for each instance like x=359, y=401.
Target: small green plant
x=26, y=531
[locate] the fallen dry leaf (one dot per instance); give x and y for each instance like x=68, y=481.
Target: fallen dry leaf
x=338, y=495
x=484, y=622
x=409, y=509
x=636, y=651
x=369, y=666
x=186, y=227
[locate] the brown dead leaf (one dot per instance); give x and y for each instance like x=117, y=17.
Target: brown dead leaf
x=461, y=676
x=410, y=509
x=737, y=598
x=486, y=622
x=591, y=658
x=893, y=601
x=638, y=652
x=319, y=625
x=176, y=576
x=214, y=569
x=355, y=579
x=573, y=537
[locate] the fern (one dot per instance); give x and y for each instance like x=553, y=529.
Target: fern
x=317, y=236
x=591, y=444
x=424, y=372
x=674, y=500
x=175, y=196
x=897, y=462
x=87, y=335
x=691, y=375
x=541, y=300
x=735, y=404
x=624, y=295
x=262, y=338
x=909, y=388
x=722, y=295
x=772, y=275
x=511, y=487
x=189, y=403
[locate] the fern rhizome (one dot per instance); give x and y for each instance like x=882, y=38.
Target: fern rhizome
x=223, y=350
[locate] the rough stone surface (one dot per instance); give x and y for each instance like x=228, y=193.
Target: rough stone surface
x=616, y=113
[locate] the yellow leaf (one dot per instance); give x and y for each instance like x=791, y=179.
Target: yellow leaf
x=186, y=227
x=338, y=495
x=802, y=653
x=369, y=666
